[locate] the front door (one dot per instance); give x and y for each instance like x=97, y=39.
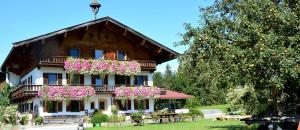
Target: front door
x=75, y=106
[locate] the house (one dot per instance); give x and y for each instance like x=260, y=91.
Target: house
x=40, y=62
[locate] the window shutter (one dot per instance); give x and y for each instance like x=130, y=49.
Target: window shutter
x=45, y=78
x=81, y=79
x=146, y=80
x=146, y=104
x=110, y=55
x=81, y=105
x=45, y=106
x=69, y=106
x=128, y=104
x=59, y=79
x=59, y=106
x=93, y=80
x=68, y=79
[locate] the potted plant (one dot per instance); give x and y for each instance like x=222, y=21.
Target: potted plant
x=39, y=120
x=24, y=120
x=137, y=118
x=97, y=119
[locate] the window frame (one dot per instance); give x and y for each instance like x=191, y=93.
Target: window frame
x=125, y=56
x=56, y=75
x=79, y=52
x=103, y=54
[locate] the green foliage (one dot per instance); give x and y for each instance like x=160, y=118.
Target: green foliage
x=137, y=114
x=8, y=114
x=99, y=118
x=245, y=100
x=196, y=112
x=116, y=118
x=158, y=79
x=114, y=110
x=39, y=120
x=245, y=42
x=192, y=103
x=4, y=95
x=24, y=120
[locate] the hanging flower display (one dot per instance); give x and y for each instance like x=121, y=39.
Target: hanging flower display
x=102, y=67
x=60, y=93
x=139, y=92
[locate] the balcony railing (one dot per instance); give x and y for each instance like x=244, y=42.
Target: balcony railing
x=59, y=61
x=27, y=91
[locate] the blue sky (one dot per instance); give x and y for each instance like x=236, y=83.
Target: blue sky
x=161, y=20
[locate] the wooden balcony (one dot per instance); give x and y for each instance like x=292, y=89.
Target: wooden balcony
x=58, y=61
x=24, y=92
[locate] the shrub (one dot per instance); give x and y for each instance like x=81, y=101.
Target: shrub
x=114, y=109
x=99, y=118
x=116, y=118
x=39, y=120
x=192, y=103
x=24, y=120
x=196, y=113
x=9, y=114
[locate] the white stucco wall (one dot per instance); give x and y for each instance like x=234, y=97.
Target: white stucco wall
x=13, y=79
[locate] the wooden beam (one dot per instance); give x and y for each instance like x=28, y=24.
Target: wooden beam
x=159, y=50
x=43, y=41
x=66, y=34
x=106, y=22
x=125, y=32
x=143, y=42
x=87, y=28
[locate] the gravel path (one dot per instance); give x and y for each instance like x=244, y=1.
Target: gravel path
x=54, y=127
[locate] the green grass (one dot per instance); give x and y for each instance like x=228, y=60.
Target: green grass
x=198, y=125
x=220, y=107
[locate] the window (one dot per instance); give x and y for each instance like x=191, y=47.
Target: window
x=92, y=105
x=141, y=80
x=75, y=106
x=52, y=79
x=99, y=54
x=141, y=104
x=102, y=105
x=75, y=53
x=52, y=106
x=99, y=82
x=124, y=105
x=121, y=55
x=75, y=79
x=122, y=80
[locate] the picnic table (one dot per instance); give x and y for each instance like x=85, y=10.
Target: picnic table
x=166, y=117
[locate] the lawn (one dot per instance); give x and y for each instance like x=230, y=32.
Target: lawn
x=198, y=125
x=220, y=107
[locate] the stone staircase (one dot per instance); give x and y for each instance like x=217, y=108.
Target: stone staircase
x=63, y=119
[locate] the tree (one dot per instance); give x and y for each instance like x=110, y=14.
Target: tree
x=157, y=79
x=247, y=43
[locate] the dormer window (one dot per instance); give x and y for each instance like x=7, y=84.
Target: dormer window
x=99, y=54
x=75, y=53
x=121, y=55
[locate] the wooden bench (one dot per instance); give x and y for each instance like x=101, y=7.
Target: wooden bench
x=61, y=119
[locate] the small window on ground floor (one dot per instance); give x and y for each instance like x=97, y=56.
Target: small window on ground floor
x=52, y=106
x=102, y=105
x=92, y=105
x=75, y=106
x=123, y=105
x=141, y=104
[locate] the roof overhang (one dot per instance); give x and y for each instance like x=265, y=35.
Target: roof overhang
x=173, y=54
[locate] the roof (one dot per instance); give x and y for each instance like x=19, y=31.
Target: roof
x=174, y=95
x=86, y=24
x=104, y=19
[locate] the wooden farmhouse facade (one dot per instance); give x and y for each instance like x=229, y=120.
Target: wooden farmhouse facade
x=38, y=62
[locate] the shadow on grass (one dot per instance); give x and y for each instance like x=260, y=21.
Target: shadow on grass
x=234, y=127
